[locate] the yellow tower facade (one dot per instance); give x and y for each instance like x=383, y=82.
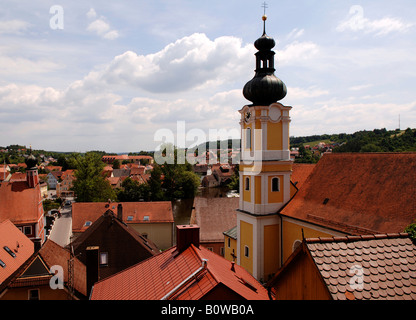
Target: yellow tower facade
x=265, y=166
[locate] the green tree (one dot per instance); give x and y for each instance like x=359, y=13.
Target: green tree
x=133, y=191
x=411, y=230
x=90, y=185
x=235, y=179
x=155, y=184
x=116, y=164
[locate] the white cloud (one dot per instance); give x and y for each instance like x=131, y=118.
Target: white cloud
x=295, y=33
x=91, y=14
x=296, y=52
x=111, y=35
x=23, y=66
x=336, y=116
x=101, y=27
x=380, y=27
x=302, y=93
x=190, y=62
x=360, y=87
x=98, y=26
x=13, y=26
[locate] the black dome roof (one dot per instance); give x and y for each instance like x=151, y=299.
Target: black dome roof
x=264, y=43
x=31, y=161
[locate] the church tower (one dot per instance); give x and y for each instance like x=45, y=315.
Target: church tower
x=265, y=166
x=32, y=176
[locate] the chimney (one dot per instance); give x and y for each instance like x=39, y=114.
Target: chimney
x=120, y=212
x=187, y=235
x=93, y=267
x=37, y=244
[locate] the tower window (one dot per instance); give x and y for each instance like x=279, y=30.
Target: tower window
x=275, y=185
x=248, y=138
x=247, y=186
x=246, y=251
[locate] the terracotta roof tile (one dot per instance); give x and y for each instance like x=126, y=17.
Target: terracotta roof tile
x=357, y=202
x=19, y=203
x=155, y=277
x=21, y=246
x=157, y=211
x=367, y=273
x=208, y=212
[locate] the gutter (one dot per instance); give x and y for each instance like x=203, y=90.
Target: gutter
x=194, y=274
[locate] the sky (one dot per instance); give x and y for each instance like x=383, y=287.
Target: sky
x=120, y=76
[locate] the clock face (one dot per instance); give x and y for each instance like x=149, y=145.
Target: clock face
x=247, y=116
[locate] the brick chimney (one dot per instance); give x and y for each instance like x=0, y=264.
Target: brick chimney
x=93, y=267
x=120, y=212
x=187, y=235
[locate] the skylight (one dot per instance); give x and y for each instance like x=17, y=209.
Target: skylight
x=9, y=251
x=146, y=218
x=2, y=264
x=130, y=218
x=87, y=223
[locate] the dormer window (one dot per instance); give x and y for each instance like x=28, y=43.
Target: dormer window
x=146, y=218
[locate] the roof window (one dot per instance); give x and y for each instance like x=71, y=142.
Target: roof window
x=9, y=251
x=146, y=218
x=129, y=218
x=87, y=223
x=2, y=264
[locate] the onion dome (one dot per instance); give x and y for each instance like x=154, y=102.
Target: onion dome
x=265, y=88
x=31, y=161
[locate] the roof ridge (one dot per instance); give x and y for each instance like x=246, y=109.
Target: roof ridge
x=196, y=249
x=358, y=237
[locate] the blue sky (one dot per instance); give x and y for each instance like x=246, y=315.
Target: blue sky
x=117, y=72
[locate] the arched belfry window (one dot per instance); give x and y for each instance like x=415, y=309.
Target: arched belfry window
x=275, y=184
x=247, y=184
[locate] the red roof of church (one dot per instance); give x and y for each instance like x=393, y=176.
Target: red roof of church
x=156, y=277
x=300, y=172
x=359, y=193
x=19, y=203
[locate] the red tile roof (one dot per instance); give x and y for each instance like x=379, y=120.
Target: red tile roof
x=300, y=172
x=54, y=254
x=20, y=245
x=207, y=213
x=385, y=266
x=19, y=203
x=160, y=277
x=359, y=193
x=157, y=211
